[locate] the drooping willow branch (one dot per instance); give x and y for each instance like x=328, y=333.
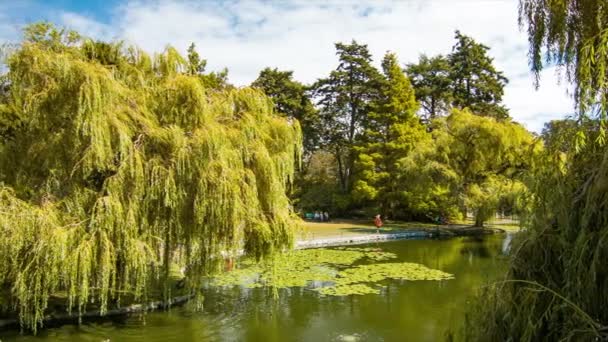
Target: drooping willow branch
x=116, y=168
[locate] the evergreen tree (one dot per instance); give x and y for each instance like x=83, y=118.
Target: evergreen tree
x=344, y=100
x=392, y=131
x=430, y=78
x=475, y=83
x=290, y=99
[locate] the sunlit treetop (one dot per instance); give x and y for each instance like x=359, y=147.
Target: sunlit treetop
x=133, y=166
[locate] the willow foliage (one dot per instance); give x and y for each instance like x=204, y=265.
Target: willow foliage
x=480, y=160
x=556, y=287
x=115, y=166
x=574, y=35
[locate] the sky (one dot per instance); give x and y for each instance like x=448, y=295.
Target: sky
x=248, y=35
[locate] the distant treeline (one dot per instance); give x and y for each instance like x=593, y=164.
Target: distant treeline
x=424, y=141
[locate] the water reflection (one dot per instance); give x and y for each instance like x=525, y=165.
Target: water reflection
x=404, y=310
x=506, y=243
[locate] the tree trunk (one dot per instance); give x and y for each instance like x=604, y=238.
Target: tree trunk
x=348, y=170
x=478, y=221
x=341, y=173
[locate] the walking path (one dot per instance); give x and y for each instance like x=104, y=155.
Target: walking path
x=362, y=238
x=324, y=234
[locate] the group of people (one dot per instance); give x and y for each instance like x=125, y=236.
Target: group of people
x=322, y=216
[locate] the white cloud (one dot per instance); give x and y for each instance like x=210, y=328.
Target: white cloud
x=248, y=35
x=535, y=107
x=87, y=26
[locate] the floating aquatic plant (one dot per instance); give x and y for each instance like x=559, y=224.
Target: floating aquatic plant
x=337, y=267
x=400, y=270
x=347, y=290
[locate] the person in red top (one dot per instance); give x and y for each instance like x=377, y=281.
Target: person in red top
x=378, y=223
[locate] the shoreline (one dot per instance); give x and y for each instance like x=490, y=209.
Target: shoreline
x=361, y=239
x=423, y=233
x=66, y=318
x=319, y=242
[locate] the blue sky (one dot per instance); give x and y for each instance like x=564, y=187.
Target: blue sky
x=248, y=35
x=29, y=10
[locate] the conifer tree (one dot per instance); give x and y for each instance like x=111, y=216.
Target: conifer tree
x=344, y=99
x=431, y=81
x=475, y=82
x=196, y=65
x=392, y=130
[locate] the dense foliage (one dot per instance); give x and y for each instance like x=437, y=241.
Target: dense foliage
x=465, y=78
x=431, y=80
x=487, y=158
x=139, y=168
x=392, y=131
x=557, y=285
x=384, y=158
x=116, y=167
x=345, y=99
x=290, y=99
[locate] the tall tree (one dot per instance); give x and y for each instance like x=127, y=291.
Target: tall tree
x=430, y=78
x=132, y=168
x=344, y=99
x=488, y=155
x=291, y=99
x=392, y=130
x=475, y=82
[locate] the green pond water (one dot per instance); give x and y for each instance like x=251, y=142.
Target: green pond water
x=402, y=310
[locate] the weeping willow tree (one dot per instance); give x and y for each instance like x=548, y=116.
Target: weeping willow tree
x=557, y=285
x=572, y=34
x=116, y=166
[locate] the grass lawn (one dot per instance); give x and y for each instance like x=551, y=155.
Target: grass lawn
x=505, y=224
x=339, y=228
x=343, y=227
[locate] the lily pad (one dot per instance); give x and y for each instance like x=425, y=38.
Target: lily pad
x=346, y=290
x=332, y=266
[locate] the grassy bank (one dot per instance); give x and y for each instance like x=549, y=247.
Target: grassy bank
x=346, y=228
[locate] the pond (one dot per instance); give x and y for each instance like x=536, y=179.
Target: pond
x=403, y=310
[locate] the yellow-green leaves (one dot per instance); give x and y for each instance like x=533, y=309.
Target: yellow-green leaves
x=119, y=166
x=339, y=270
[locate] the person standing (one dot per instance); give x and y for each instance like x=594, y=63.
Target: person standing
x=378, y=223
